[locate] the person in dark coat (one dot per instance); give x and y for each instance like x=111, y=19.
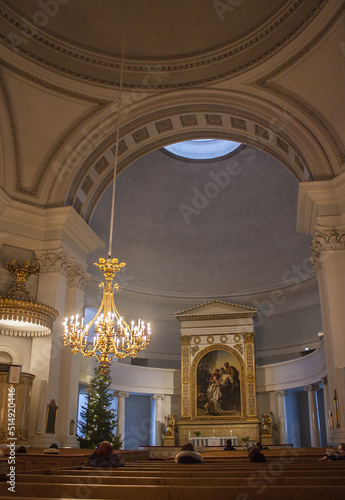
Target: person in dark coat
x=104, y=456
x=255, y=455
x=229, y=446
x=188, y=455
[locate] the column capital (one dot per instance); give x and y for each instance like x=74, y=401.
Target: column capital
x=56, y=260
x=121, y=394
x=312, y=387
x=281, y=393
x=185, y=339
x=158, y=396
x=249, y=337
x=324, y=380
x=325, y=239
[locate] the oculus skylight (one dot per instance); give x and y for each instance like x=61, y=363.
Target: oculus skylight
x=202, y=149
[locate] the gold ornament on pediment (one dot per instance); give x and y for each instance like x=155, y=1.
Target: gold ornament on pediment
x=248, y=337
x=237, y=337
x=197, y=340
x=223, y=339
x=194, y=349
x=4, y=378
x=185, y=340
x=210, y=339
x=239, y=347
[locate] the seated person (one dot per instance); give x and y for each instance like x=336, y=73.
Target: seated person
x=188, y=455
x=229, y=446
x=333, y=455
x=21, y=449
x=104, y=456
x=53, y=448
x=255, y=455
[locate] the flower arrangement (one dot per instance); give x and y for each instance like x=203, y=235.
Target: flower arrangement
x=245, y=439
x=198, y=433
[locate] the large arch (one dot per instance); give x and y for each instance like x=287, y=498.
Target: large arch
x=88, y=167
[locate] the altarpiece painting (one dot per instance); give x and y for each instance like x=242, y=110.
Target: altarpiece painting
x=218, y=384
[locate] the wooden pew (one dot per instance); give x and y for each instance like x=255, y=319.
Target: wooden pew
x=171, y=480
x=185, y=492
x=282, y=476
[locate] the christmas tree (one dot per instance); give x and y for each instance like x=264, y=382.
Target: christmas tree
x=98, y=419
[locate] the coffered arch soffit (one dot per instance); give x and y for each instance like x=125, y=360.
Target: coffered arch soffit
x=88, y=169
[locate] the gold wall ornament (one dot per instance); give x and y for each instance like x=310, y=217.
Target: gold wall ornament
x=113, y=337
x=330, y=419
x=194, y=349
x=20, y=314
x=336, y=409
x=16, y=396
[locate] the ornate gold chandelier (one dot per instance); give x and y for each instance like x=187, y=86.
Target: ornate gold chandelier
x=113, y=337
x=20, y=314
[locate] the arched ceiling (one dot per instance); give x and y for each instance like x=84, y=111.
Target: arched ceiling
x=83, y=38
x=59, y=80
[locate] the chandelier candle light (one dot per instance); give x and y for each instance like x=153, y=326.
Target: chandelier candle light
x=113, y=337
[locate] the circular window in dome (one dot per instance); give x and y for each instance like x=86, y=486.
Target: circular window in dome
x=203, y=149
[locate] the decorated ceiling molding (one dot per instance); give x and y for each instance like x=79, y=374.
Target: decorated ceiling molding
x=173, y=56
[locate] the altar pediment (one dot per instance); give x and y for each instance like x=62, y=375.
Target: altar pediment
x=216, y=309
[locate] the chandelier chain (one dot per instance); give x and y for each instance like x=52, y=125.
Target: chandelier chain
x=117, y=134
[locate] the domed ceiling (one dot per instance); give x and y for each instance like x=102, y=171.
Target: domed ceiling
x=204, y=229
x=167, y=44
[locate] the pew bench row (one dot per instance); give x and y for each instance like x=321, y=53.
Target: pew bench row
x=185, y=492
x=282, y=480
x=98, y=476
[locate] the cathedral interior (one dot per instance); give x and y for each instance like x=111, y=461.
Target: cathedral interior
x=225, y=122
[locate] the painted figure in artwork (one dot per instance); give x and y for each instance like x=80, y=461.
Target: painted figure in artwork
x=218, y=384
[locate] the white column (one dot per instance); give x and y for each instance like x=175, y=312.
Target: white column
x=69, y=380
x=46, y=356
x=121, y=400
x=61, y=285
x=158, y=418
x=281, y=395
x=321, y=212
x=313, y=416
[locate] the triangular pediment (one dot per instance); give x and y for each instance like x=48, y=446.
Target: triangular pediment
x=214, y=309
